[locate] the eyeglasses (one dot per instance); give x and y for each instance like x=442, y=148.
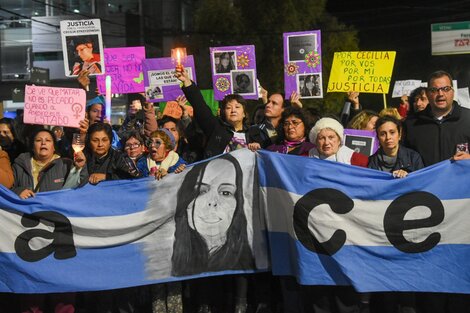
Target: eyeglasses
x=132, y=146
x=443, y=89
x=156, y=143
x=294, y=123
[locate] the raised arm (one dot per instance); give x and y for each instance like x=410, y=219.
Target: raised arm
x=202, y=113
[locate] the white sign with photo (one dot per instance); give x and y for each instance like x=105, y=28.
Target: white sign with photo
x=82, y=46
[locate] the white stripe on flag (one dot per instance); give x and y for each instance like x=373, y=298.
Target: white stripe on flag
x=364, y=223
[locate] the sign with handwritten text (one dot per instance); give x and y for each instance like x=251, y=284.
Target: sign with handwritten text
x=362, y=71
x=173, y=109
x=54, y=106
x=124, y=65
x=405, y=87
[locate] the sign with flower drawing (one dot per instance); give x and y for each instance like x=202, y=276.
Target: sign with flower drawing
x=303, y=64
x=234, y=71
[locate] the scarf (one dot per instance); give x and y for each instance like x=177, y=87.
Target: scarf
x=286, y=144
x=170, y=160
x=343, y=155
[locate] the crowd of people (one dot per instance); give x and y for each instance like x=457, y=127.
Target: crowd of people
x=427, y=128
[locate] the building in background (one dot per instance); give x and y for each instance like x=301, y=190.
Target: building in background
x=30, y=37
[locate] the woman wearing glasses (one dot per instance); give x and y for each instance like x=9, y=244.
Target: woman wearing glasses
x=134, y=148
x=293, y=140
x=162, y=159
x=294, y=137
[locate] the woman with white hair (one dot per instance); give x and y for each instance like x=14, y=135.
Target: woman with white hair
x=327, y=135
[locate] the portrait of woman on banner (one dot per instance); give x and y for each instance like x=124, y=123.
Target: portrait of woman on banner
x=211, y=226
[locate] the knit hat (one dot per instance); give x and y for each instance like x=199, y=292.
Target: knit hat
x=170, y=135
x=326, y=122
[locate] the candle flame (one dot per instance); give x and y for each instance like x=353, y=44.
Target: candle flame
x=178, y=56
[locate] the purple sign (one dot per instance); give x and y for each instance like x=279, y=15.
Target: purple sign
x=160, y=81
x=124, y=65
x=302, y=64
x=234, y=71
x=362, y=141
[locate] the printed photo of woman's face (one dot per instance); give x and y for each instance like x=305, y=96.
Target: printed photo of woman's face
x=225, y=59
x=211, y=212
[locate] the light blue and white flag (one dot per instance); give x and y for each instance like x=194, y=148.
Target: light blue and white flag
x=336, y=224
x=204, y=221
x=329, y=224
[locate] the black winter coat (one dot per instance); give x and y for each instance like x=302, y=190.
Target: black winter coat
x=218, y=133
x=407, y=159
x=437, y=140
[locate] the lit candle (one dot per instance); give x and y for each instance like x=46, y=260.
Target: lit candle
x=108, y=98
x=178, y=56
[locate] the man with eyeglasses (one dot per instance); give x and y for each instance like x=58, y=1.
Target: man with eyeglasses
x=442, y=130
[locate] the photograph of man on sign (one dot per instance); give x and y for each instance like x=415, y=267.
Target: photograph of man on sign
x=84, y=54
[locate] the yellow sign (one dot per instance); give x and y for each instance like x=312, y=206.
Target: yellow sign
x=362, y=71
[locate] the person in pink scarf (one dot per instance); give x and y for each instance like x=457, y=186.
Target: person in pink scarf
x=294, y=137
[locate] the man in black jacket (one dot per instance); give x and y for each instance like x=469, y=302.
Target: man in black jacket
x=266, y=133
x=442, y=130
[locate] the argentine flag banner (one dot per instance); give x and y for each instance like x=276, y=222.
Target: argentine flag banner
x=202, y=222
x=323, y=222
x=337, y=224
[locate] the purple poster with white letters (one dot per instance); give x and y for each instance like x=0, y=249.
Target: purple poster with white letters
x=303, y=64
x=124, y=65
x=160, y=81
x=234, y=71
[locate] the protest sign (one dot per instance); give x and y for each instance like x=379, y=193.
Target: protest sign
x=463, y=97
x=160, y=81
x=405, y=87
x=173, y=109
x=361, y=141
x=234, y=71
x=303, y=64
x=124, y=65
x=54, y=106
x=361, y=71
x=82, y=47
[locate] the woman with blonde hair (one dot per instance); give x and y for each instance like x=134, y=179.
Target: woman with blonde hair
x=364, y=120
x=393, y=112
